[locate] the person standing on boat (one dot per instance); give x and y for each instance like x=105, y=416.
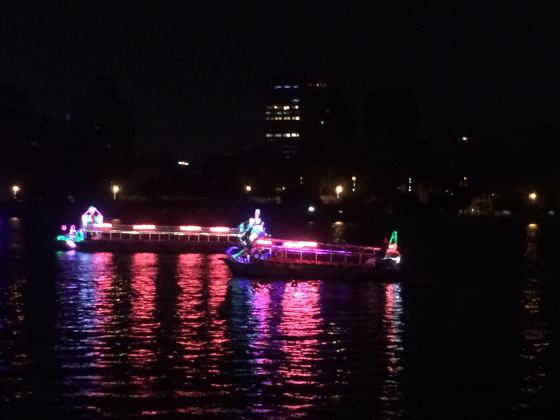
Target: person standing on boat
x=257, y=229
x=92, y=215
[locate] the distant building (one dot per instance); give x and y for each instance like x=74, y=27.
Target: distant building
x=305, y=115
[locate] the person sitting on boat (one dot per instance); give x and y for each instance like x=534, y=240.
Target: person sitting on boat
x=246, y=233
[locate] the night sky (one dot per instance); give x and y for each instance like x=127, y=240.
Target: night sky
x=193, y=73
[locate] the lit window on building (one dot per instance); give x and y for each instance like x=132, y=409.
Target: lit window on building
x=296, y=118
x=268, y=134
x=296, y=106
x=277, y=135
x=295, y=100
x=286, y=107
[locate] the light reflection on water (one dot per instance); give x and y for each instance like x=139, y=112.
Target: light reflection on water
x=120, y=335
x=535, y=332
x=156, y=334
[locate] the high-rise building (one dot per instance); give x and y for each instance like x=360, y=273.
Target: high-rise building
x=305, y=116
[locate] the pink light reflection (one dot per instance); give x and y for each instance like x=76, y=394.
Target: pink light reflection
x=143, y=272
x=300, y=327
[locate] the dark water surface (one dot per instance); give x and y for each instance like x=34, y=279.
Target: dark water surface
x=470, y=330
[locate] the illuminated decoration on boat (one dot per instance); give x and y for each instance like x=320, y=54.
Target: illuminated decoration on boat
x=102, y=225
x=219, y=229
x=264, y=242
x=71, y=244
x=143, y=227
x=300, y=244
x=190, y=228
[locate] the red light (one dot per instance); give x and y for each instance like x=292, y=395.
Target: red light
x=221, y=229
x=190, y=228
x=143, y=227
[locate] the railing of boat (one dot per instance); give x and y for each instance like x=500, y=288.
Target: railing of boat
x=320, y=253
x=163, y=233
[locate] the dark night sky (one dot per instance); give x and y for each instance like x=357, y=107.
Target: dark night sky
x=193, y=72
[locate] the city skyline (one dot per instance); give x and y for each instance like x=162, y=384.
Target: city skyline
x=181, y=69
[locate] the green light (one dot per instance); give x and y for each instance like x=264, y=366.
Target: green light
x=393, y=239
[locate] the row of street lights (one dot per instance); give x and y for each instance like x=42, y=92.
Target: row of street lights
x=16, y=189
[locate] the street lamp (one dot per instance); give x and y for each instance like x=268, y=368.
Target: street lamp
x=15, y=190
x=338, y=190
x=115, y=189
x=533, y=196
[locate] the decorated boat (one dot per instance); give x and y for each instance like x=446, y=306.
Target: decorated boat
x=286, y=258
x=97, y=235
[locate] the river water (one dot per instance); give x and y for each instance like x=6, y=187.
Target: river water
x=469, y=330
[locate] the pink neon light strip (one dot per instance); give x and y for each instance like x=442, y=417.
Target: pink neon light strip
x=300, y=244
x=102, y=225
x=143, y=227
x=190, y=228
x=219, y=229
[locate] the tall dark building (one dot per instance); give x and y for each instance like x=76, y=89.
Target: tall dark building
x=391, y=125
x=306, y=116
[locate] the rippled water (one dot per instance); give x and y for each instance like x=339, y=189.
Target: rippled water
x=467, y=332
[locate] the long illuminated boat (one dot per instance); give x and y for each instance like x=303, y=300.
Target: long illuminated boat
x=150, y=238
x=307, y=259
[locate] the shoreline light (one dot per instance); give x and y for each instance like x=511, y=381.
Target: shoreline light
x=143, y=227
x=338, y=190
x=15, y=189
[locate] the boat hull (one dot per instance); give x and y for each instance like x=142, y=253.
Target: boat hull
x=386, y=271
x=170, y=247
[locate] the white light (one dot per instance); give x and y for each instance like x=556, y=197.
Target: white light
x=143, y=227
x=354, y=178
x=311, y=209
x=533, y=196
x=248, y=188
x=183, y=163
x=465, y=139
x=15, y=189
x=338, y=190
x=115, y=189
x=219, y=229
x=190, y=228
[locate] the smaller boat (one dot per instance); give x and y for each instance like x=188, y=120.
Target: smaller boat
x=105, y=237
x=286, y=258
